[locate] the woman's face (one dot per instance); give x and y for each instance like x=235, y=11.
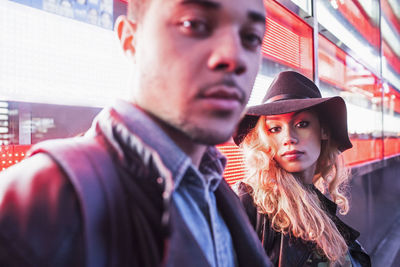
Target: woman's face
x=297, y=137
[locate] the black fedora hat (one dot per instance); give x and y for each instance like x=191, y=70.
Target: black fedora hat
x=290, y=91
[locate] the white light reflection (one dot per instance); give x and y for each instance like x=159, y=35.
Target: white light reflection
x=304, y=4
x=363, y=120
x=47, y=58
x=259, y=89
x=331, y=23
x=390, y=74
x=391, y=125
x=371, y=7
x=394, y=4
x=390, y=36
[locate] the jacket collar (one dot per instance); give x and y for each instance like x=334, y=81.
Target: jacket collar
x=125, y=125
x=348, y=233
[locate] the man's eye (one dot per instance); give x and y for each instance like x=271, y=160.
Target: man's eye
x=302, y=124
x=195, y=27
x=252, y=40
x=274, y=129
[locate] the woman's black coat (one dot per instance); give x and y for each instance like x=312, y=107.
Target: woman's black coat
x=295, y=251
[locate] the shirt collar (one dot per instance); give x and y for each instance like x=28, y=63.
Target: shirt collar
x=209, y=174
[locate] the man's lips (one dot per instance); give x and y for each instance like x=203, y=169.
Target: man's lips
x=223, y=93
x=226, y=89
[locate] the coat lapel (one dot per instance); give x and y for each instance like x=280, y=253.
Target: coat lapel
x=248, y=248
x=192, y=255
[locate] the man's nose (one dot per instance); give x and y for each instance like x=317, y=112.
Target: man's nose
x=228, y=53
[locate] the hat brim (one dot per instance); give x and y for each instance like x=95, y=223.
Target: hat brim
x=331, y=109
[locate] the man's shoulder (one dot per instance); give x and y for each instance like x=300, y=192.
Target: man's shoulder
x=32, y=184
x=39, y=211
x=33, y=173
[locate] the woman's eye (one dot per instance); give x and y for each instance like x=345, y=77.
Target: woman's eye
x=274, y=129
x=195, y=27
x=302, y=124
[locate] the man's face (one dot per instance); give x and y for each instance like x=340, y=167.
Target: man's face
x=196, y=62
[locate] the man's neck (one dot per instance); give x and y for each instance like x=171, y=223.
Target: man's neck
x=195, y=151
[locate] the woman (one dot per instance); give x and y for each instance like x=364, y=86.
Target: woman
x=292, y=144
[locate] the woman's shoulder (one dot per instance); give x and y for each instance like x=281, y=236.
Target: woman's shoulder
x=244, y=192
x=243, y=187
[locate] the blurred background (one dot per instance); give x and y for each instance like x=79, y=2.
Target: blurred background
x=60, y=63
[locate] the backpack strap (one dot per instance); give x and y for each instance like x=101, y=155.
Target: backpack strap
x=89, y=167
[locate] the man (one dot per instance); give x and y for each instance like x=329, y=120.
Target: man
x=144, y=186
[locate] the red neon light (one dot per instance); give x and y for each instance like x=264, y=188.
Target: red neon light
x=392, y=146
x=285, y=50
x=388, y=12
x=334, y=70
x=331, y=63
x=288, y=39
x=391, y=57
x=392, y=97
x=363, y=151
x=234, y=170
x=12, y=154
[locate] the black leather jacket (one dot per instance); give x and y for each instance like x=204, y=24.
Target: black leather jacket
x=296, y=252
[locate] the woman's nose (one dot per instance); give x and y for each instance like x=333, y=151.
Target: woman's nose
x=290, y=137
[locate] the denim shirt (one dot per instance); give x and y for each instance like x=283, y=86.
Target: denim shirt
x=194, y=188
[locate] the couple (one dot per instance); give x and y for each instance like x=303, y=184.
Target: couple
x=144, y=186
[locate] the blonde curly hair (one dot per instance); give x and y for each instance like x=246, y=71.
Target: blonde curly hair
x=291, y=206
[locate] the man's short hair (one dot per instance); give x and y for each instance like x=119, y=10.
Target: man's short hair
x=136, y=9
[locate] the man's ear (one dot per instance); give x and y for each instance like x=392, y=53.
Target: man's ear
x=126, y=29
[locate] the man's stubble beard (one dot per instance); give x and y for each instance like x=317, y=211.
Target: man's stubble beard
x=202, y=135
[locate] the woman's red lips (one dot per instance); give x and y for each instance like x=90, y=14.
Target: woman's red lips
x=293, y=154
